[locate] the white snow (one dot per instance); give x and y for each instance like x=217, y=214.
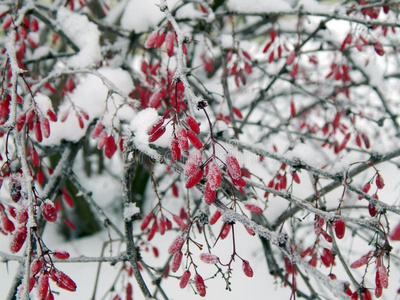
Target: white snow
x=142, y=16
x=130, y=210
x=43, y=103
x=90, y=95
x=259, y=6
x=84, y=34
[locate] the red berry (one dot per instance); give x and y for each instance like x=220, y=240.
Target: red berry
x=209, y=258
x=18, y=239
x=194, y=178
x=340, y=228
x=193, y=124
x=49, y=211
x=176, y=261
x=209, y=194
x=194, y=139
x=247, y=270
x=215, y=217
x=43, y=286
x=176, y=245
x=110, y=147
x=233, y=167
x=175, y=150
x=199, y=284
x=156, y=135
x=379, y=182
x=61, y=254
x=184, y=279
x=62, y=280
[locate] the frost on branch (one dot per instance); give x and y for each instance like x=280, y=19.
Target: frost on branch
x=207, y=141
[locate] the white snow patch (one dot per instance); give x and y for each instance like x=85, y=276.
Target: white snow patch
x=90, y=96
x=259, y=6
x=142, y=16
x=44, y=103
x=130, y=210
x=84, y=34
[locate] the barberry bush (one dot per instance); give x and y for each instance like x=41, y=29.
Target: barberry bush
x=194, y=142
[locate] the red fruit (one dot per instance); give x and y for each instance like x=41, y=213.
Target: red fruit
x=61, y=254
x=363, y=260
x=176, y=245
x=176, y=261
x=395, y=235
x=36, y=266
x=70, y=224
x=156, y=135
x=35, y=158
x=193, y=124
x=151, y=40
x=62, y=280
x=247, y=270
x=169, y=43
x=40, y=176
x=155, y=99
x=184, y=279
x=49, y=211
x=110, y=147
x=296, y=177
x=182, y=137
x=365, y=189
x=162, y=225
x=179, y=222
x=199, y=284
x=129, y=291
x=382, y=271
x=175, y=150
x=237, y=112
x=160, y=40
x=371, y=210
x=52, y=115
x=70, y=84
x=215, y=217
x=97, y=130
x=193, y=162
x=378, y=48
x=50, y=296
x=209, y=194
x=43, y=286
x=175, y=191
x=214, y=176
x=294, y=71
x=20, y=122
x=7, y=224
x=267, y=46
x=156, y=126
x=292, y=110
x=253, y=208
x=22, y=214
x=327, y=257
x=67, y=197
x=226, y=228
x=18, y=239
x=340, y=228
x=291, y=58
x=153, y=230
x=38, y=132
x=209, y=258
x=34, y=25
x=194, y=178
x=194, y=139
x=233, y=167
x=379, y=182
